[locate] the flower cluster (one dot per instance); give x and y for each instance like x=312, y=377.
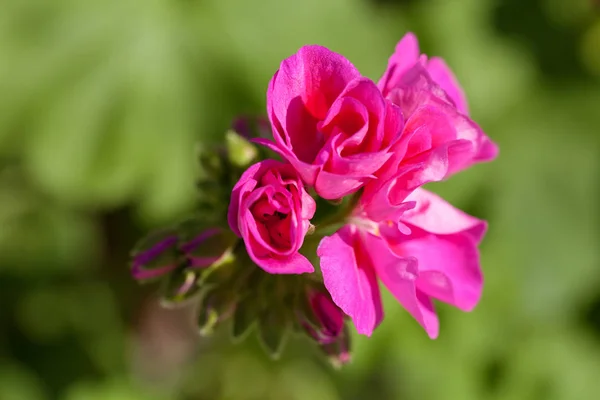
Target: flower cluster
x=346, y=196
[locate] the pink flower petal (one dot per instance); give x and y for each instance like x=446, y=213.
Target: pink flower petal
x=300, y=95
x=293, y=264
x=435, y=215
x=399, y=275
x=336, y=186
x=444, y=77
x=448, y=267
x=488, y=150
x=245, y=184
x=350, y=279
x=404, y=57
x=307, y=172
x=443, y=241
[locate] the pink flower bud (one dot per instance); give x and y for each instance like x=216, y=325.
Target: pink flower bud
x=271, y=211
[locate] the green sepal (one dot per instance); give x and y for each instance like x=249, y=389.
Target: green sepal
x=180, y=288
x=244, y=319
x=216, y=307
x=218, y=242
x=273, y=331
x=220, y=273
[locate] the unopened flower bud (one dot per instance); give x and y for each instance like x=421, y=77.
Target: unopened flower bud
x=240, y=151
x=252, y=127
x=179, y=287
x=155, y=256
x=324, y=321
x=338, y=352
x=210, y=247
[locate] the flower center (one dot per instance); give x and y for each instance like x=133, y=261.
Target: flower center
x=365, y=224
x=275, y=221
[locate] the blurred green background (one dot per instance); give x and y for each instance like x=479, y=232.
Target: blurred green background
x=102, y=104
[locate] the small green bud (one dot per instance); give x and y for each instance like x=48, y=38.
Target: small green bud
x=240, y=151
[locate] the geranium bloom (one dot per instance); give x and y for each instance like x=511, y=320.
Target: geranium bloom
x=438, y=138
x=333, y=125
x=271, y=211
x=430, y=254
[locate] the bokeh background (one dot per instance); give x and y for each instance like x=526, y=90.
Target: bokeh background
x=102, y=104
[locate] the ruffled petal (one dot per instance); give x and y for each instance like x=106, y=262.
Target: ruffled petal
x=350, y=279
x=400, y=275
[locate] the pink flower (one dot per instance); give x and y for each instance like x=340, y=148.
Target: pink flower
x=431, y=254
x=333, y=125
x=438, y=138
x=270, y=210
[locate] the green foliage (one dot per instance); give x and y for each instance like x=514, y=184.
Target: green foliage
x=103, y=106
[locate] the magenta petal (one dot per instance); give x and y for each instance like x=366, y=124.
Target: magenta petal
x=309, y=206
x=488, y=150
x=333, y=186
x=350, y=279
x=405, y=56
x=314, y=74
x=244, y=185
x=301, y=92
x=448, y=268
x=362, y=164
x=444, y=240
x=431, y=167
x=293, y=264
x=399, y=275
x=271, y=146
x=385, y=201
x=443, y=76
x=435, y=215
x=433, y=121
x=307, y=172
